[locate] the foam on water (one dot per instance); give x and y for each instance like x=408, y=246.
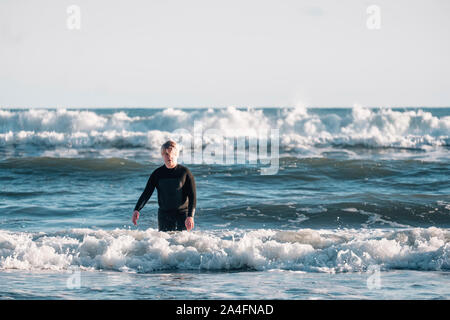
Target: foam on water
x=300, y=129
x=305, y=250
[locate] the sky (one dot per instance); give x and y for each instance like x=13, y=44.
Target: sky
x=209, y=53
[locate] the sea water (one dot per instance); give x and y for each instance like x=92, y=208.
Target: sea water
x=359, y=207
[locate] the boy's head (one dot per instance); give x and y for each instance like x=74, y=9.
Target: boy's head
x=169, y=152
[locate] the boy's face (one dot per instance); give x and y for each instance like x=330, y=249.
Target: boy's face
x=170, y=157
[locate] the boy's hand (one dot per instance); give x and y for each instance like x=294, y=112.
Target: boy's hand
x=135, y=217
x=189, y=222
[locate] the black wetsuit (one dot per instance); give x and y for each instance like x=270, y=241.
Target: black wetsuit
x=176, y=196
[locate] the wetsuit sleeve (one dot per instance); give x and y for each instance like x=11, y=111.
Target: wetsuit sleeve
x=191, y=193
x=148, y=191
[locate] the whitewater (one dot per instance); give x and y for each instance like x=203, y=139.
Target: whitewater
x=361, y=196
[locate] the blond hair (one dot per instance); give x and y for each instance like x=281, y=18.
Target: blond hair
x=170, y=144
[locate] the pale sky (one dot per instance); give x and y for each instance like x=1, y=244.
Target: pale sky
x=208, y=53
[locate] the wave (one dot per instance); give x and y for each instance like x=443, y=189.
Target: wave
x=49, y=164
x=303, y=250
x=349, y=168
x=409, y=212
x=300, y=129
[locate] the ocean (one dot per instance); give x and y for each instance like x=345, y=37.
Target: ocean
x=356, y=204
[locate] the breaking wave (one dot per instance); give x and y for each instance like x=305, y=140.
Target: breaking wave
x=331, y=251
x=299, y=128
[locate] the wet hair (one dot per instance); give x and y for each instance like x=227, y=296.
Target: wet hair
x=169, y=144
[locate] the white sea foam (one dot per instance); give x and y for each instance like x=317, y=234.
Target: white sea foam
x=300, y=130
x=303, y=250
